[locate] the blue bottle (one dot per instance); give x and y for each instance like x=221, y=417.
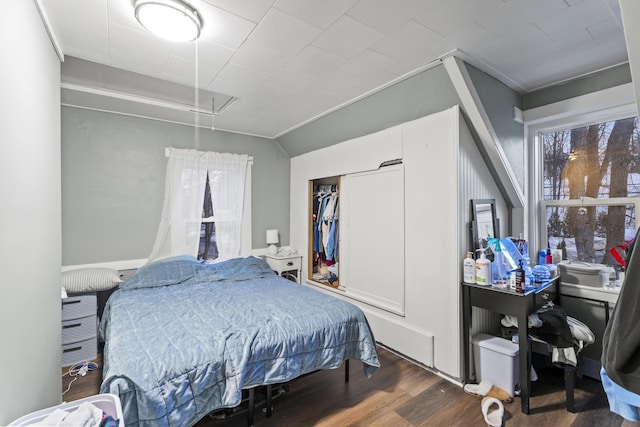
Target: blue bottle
x=498, y=267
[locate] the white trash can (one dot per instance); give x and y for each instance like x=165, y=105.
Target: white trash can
x=499, y=363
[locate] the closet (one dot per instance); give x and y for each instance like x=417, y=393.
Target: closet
x=403, y=218
x=324, y=231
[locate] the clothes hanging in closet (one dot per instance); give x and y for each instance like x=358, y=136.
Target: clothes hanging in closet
x=326, y=203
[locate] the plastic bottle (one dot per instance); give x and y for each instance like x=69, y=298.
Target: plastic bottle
x=483, y=269
x=498, y=267
x=523, y=247
x=520, y=278
x=542, y=257
x=548, y=258
x=469, y=269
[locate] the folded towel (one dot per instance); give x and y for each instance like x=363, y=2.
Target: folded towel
x=53, y=419
x=87, y=415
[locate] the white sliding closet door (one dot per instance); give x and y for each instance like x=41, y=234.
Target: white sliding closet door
x=372, y=237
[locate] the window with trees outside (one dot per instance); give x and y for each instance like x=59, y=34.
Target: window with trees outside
x=591, y=187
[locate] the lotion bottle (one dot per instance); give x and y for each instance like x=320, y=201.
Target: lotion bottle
x=469, y=269
x=483, y=269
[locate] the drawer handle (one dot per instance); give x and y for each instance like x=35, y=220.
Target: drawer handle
x=290, y=263
x=75, y=325
x=71, y=302
x=67, y=350
x=544, y=296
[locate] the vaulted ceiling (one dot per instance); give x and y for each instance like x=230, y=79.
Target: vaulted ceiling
x=274, y=65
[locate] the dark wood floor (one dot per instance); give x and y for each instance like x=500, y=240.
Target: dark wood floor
x=401, y=393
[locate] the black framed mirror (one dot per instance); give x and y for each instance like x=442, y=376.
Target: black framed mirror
x=484, y=222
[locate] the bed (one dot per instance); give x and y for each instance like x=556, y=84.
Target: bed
x=183, y=338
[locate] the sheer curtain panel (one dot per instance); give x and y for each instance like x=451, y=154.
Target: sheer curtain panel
x=181, y=220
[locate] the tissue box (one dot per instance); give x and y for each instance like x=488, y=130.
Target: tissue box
x=580, y=273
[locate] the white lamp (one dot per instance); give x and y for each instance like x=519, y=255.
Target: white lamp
x=272, y=239
x=173, y=20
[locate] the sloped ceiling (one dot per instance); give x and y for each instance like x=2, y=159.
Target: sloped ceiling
x=275, y=65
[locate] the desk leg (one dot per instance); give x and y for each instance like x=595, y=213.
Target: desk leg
x=524, y=357
x=466, y=325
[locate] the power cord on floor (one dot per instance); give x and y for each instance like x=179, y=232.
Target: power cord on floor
x=79, y=369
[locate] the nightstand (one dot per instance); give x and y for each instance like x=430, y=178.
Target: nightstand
x=79, y=329
x=287, y=266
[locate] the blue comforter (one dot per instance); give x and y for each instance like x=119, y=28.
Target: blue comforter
x=182, y=338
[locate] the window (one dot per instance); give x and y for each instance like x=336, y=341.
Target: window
x=208, y=247
x=225, y=180
x=590, y=186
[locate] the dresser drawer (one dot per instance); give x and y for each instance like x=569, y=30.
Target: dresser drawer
x=79, y=351
x=80, y=329
x=284, y=264
x=79, y=306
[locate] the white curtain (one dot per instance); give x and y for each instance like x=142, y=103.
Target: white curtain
x=181, y=221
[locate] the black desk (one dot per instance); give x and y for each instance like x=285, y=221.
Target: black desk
x=514, y=304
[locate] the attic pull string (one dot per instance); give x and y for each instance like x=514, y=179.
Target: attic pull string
x=196, y=97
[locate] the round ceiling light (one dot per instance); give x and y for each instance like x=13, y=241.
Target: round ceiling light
x=170, y=19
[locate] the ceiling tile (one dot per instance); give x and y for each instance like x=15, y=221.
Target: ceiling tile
x=379, y=79
x=467, y=39
x=319, y=13
x=575, y=18
x=366, y=63
x=255, y=55
x=338, y=81
x=523, y=41
x=387, y=16
x=140, y=45
x=411, y=63
x=568, y=45
x=252, y=10
x=287, y=81
x=347, y=37
x=224, y=28
x=453, y=16
x=315, y=61
x=284, y=32
x=82, y=28
x=237, y=81
x=405, y=41
x=183, y=71
x=607, y=32
x=515, y=15
x=211, y=54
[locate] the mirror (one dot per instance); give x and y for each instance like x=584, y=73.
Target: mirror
x=484, y=223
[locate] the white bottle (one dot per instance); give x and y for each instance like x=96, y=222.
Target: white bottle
x=483, y=269
x=469, y=269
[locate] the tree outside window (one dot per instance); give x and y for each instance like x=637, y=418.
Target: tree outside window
x=591, y=184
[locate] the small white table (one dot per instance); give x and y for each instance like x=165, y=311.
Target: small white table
x=287, y=266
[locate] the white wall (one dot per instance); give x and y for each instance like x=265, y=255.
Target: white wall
x=30, y=236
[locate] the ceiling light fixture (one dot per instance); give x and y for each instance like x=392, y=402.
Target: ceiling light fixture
x=172, y=20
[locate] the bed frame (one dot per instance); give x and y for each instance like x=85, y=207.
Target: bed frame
x=269, y=390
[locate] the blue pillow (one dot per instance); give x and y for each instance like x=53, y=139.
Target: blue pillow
x=164, y=272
